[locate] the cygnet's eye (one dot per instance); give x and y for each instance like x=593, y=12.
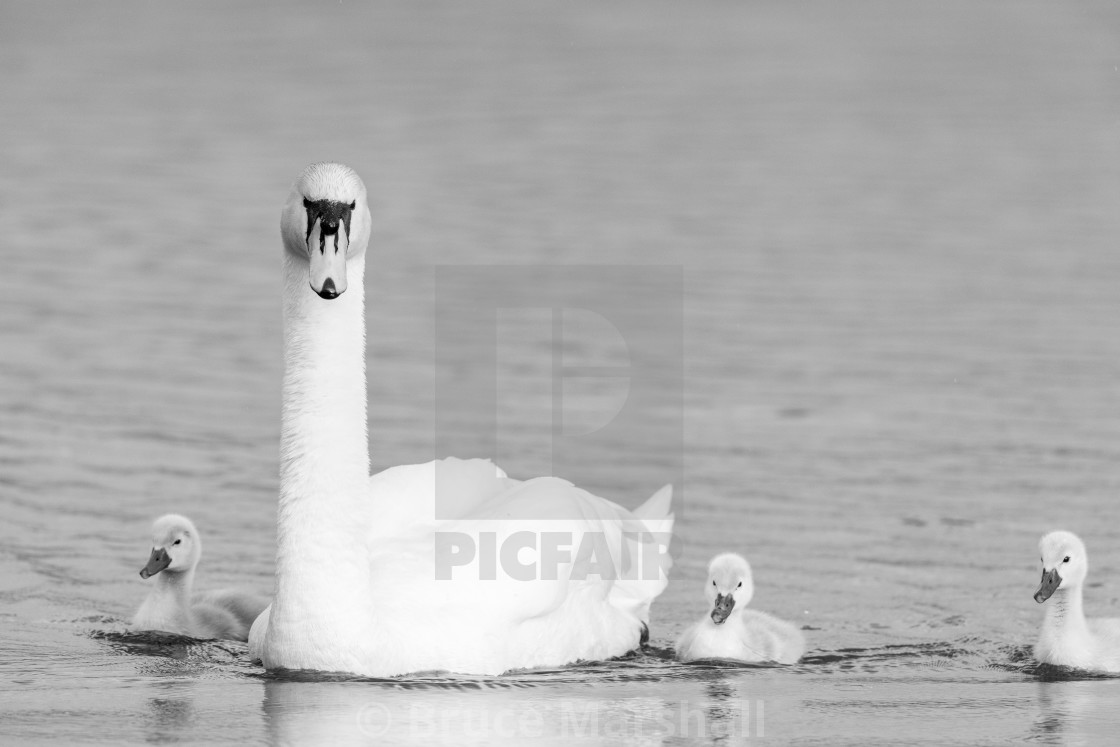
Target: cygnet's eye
x=740, y=586
x=713, y=582
x=1066, y=559
x=177, y=542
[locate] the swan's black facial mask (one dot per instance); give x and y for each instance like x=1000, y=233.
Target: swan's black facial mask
x=328, y=243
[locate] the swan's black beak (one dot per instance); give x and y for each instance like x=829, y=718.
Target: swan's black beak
x=328, y=241
x=724, y=604
x=327, y=254
x=328, y=291
x=1050, y=582
x=156, y=563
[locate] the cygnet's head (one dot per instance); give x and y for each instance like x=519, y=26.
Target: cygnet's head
x=1064, y=564
x=325, y=224
x=729, y=584
x=176, y=546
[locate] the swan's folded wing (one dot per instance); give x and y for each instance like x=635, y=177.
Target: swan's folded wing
x=213, y=621
x=524, y=552
x=245, y=607
x=529, y=573
x=772, y=638
x=412, y=495
x=257, y=633
x=607, y=542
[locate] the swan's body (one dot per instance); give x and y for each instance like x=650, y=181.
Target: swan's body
x=361, y=560
x=1067, y=638
x=730, y=631
x=170, y=606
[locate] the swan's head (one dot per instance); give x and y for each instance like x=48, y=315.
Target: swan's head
x=176, y=546
x=729, y=584
x=1064, y=563
x=325, y=223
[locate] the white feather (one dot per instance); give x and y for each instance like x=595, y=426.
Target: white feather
x=172, y=607
x=744, y=635
x=1067, y=638
x=357, y=588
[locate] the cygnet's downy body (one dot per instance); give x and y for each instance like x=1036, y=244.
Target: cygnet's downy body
x=171, y=607
x=729, y=630
x=1067, y=638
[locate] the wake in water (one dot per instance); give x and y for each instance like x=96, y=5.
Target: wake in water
x=172, y=646
x=652, y=663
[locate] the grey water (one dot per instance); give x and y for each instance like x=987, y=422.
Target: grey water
x=895, y=230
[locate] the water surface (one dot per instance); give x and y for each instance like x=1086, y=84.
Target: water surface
x=897, y=230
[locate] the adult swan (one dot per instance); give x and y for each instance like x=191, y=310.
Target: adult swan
x=369, y=579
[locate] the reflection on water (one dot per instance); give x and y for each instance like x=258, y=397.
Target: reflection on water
x=1076, y=711
x=299, y=712
x=896, y=226
x=168, y=717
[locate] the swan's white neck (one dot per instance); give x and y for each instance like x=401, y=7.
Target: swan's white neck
x=168, y=606
x=1065, y=638
x=322, y=566
x=1065, y=617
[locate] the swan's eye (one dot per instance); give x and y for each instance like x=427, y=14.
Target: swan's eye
x=177, y=542
x=740, y=586
x=713, y=583
x=353, y=204
x=1066, y=559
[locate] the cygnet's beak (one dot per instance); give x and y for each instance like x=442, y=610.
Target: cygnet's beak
x=156, y=563
x=1050, y=582
x=328, y=241
x=724, y=604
